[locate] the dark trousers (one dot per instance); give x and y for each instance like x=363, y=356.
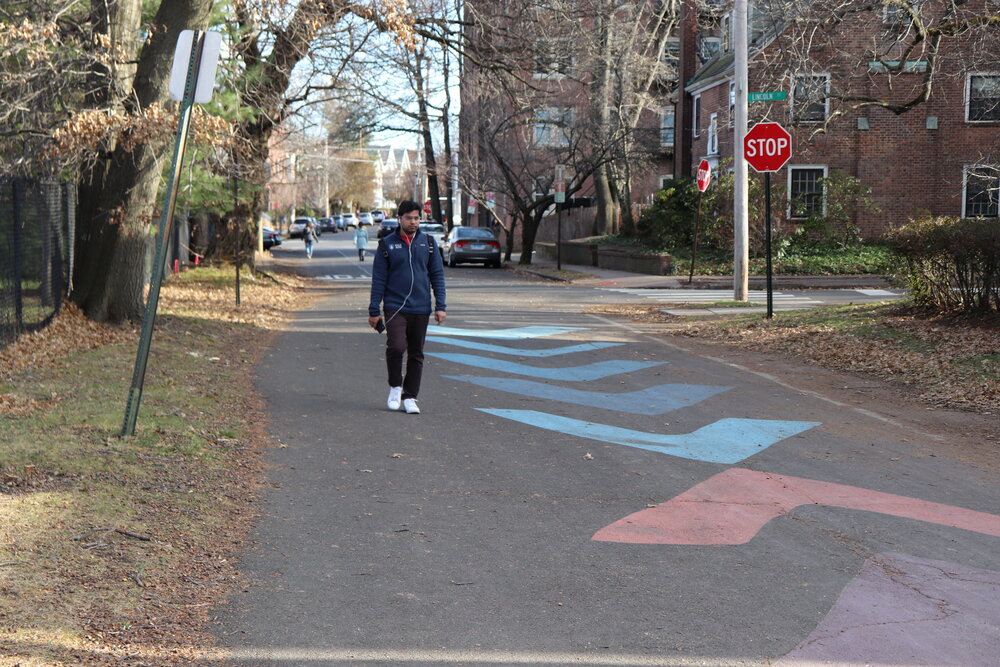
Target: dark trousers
x=405, y=334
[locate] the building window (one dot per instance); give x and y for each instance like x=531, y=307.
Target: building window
x=667, y=127
x=805, y=191
x=982, y=187
x=810, y=101
x=708, y=48
x=726, y=32
x=713, y=134
x=696, y=116
x=552, y=127
x=732, y=103
x=554, y=60
x=983, y=95
x=897, y=16
x=665, y=180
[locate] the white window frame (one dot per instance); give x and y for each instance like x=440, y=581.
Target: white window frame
x=826, y=98
x=791, y=170
x=663, y=178
x=732, y=103
x=968, y=95
x=893, y=15
x=726, y=32
x=713, y=134
x=547, y=66
x=696, y=117
x=965, y=186
x=665, y=113
x=551, y=127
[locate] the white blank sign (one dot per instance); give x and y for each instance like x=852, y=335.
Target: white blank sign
x=206, y=73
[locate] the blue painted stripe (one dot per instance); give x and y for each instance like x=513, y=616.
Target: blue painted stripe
x=651, y=401
x=585, y=373
x=503, y=349
x=515, y=333
x=725, y=441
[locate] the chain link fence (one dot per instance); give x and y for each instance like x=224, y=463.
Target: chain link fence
x=37, y=228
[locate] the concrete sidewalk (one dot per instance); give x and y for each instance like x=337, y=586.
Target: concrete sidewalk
x=608, y=277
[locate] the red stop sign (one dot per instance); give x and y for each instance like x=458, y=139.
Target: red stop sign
x=767, y=147
x=704, y=175
x=427, y=207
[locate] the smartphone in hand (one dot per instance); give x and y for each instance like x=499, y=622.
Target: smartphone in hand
x=380, y=326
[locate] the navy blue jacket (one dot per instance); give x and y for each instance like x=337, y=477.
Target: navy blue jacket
x=396, y=287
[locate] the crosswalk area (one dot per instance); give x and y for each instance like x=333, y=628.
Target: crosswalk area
x=669, y=295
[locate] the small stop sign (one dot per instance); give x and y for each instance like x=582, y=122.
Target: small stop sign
x=767, y=147
x=704, y=175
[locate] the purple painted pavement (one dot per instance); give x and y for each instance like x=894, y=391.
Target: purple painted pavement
x=903, y=610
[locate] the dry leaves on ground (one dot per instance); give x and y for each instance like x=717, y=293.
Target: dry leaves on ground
x=951, y=364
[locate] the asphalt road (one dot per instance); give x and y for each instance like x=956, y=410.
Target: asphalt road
x=581, y=491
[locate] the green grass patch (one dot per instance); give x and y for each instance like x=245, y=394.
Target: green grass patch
x=70, y=486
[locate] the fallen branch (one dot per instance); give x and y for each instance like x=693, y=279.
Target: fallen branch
x=126, y=533
x=9, y=563
x=134, y=576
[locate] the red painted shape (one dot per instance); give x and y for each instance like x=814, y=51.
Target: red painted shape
x=767, y=146
x=732, y=507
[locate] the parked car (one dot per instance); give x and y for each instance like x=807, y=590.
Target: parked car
x=471, y=244
x=364, y=219
x=387, y=226
x=295, y=229
x=338, y=220
x=271, y=238
x=378, y=215
x=349, y=220
x=437, y=231
x=327, y=225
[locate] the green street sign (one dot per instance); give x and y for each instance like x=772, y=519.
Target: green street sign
x=773, y=96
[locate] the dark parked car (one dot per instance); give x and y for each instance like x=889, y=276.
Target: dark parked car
x=387, y=226
x=271, y=238
x=471, y=244
x=327, y=225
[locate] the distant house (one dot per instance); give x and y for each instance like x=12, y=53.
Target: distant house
x=394, y=174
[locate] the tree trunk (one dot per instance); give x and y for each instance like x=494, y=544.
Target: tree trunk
x=117, y=196
x=604, y=218
x=528, y=233
x=433, y=186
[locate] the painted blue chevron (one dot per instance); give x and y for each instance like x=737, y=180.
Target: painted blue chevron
x=585, y=373
x=651, y=401
x=515, y=333
x=503, y=349
x=724, y=441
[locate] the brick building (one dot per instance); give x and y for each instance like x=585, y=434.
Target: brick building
x=939, y=157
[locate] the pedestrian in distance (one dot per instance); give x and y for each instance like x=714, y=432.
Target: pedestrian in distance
x=310, y=238
x=406, y=269
x=361, y=241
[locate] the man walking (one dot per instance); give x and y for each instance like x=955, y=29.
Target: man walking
x=407, y=267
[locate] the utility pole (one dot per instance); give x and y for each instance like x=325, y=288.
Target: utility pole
x=326, y=179
x=741, y=199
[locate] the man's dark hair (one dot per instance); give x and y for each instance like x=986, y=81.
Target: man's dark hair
x=407, y=206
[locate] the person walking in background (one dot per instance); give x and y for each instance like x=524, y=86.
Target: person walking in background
x=406, y=269
x=361, y=241
x=309, y=236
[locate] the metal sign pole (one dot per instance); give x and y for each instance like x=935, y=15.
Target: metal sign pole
x=694, y=245
x=767, y=242
x=166, y=221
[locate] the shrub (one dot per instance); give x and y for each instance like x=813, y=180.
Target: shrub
x=951, y=263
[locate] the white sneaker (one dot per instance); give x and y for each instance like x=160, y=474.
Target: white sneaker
x=394, y=396
x=410, y=405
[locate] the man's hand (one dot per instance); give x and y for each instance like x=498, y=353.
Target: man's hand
x=439, y=316
x=373, y=321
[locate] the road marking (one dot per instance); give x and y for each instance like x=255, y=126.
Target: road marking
x=732, y=507
x=930, y=611
x=502, y=349
x=584, y=373
x=879, y=292
x=514, y=333
x=709, y=295
x=724, y=441
x=651, y=401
